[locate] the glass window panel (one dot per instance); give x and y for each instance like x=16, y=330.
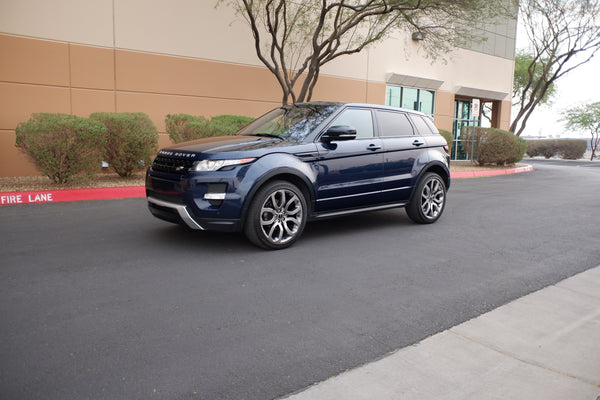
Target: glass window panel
x=361, y=120
x=422, y=127
x=392, y=96
x=426, y=100
x=431, y=125
x=410, y=98
x=393, y=124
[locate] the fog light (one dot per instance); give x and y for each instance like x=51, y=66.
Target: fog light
x=215, y=193
x=214, y=196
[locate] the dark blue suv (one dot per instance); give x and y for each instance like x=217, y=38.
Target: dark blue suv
x=299, y=163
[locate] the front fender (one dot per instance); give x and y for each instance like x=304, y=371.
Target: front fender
x=301, y=172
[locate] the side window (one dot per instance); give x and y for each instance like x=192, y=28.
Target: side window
x=361, y=120
x=431, y=125
x=393, y=124
x=421, y=125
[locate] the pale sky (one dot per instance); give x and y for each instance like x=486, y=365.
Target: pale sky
x=579, y=87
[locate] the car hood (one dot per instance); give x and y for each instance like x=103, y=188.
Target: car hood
x=254, y=145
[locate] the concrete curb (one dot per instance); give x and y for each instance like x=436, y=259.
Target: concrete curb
x=123, y=192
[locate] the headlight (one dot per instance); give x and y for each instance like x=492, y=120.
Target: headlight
x=215, y=165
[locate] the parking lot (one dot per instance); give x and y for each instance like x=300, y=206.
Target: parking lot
x=100, y=300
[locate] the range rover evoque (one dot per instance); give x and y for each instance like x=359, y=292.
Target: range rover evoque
x=299, y=163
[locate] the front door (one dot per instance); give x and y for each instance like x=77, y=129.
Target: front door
x=350, y=172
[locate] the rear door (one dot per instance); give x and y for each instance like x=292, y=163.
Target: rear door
x=403, y=148
x=350, y=172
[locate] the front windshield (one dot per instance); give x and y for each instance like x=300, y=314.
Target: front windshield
x=293, y=123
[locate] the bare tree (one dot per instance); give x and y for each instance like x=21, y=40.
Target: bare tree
x=295, y=38
x=563, y=35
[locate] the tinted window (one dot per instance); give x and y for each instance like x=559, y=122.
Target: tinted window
x=393, y=124
x=361, y=120
x=431, y=126
x=421, y=125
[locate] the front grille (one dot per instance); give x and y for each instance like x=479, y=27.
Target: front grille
x=173, y=165
x=171, y=198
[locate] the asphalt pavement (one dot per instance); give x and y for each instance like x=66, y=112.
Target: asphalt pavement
x=99, y=300
x=545, y=345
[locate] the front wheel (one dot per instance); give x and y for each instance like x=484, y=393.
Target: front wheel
x=428, y=200
x=276, y=216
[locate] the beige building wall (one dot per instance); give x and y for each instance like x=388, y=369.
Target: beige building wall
x=185, y=56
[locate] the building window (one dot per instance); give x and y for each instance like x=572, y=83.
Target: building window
x=463, y=119
x=410, y=98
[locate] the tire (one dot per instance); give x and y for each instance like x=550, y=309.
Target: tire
x=428, y=200
x=277, y=216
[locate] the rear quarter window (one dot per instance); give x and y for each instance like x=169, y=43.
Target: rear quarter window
x=424, y=126
x=393, y=124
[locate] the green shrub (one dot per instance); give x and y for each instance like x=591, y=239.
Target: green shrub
x=449, y=139
x=548, y=148
x=493, y=146
x=533, y=148
x=229, y=124
x=571, y=149
x=501, y=148
x=61, y=145
x=471, y=138
x=185, y=127
x=132, y=140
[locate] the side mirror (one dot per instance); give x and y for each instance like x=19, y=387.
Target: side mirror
x=339, y=133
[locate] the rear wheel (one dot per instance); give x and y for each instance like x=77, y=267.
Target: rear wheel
x=428, y=200
x=276, y=216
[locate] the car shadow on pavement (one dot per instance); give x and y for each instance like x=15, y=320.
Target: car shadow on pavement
x=338, y=228
x=357, y=224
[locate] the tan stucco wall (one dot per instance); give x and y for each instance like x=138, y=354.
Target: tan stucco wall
x=48, y=76
x=444, y=110
x=187, y=56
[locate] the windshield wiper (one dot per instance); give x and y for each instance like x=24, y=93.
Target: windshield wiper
x=269, y=135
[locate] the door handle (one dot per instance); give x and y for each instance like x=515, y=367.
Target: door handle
x=418, y=142
x=373, y=147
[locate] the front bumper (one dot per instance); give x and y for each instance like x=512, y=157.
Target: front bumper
x=210, y=201
x=173, y=212
x=179, y=213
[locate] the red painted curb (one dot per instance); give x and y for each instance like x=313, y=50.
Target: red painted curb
x=492, y=172
x=123, y=192
x=54, y=196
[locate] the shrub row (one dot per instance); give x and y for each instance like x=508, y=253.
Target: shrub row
x=185, y=127
x=62, y=146
x=567, y=149
x=132, y=140
x=493, y=146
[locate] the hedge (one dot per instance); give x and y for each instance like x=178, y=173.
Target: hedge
x=185, y=127
x=569, y=149
x=62, y=146
x=132, y=141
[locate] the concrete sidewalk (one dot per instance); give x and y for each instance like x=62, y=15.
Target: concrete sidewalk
x=542, y=346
